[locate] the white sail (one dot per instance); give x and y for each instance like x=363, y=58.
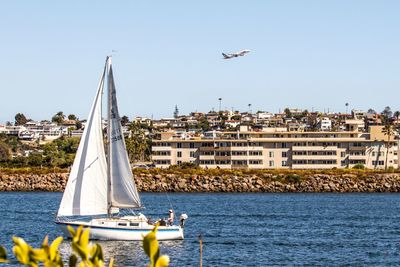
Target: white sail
x=123, y=192
x=86, y=190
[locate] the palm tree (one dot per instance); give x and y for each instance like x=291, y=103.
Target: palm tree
x=58, y=118
x=137, y=145
x=389, y=131
x=397, y=115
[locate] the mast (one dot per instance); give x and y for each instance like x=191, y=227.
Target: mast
x=109, y=81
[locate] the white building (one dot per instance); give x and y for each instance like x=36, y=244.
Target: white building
x=325, y=124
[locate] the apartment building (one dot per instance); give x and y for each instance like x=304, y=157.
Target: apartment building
x=273, y=149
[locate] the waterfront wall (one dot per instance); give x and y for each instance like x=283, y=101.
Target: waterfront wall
x=378, y=182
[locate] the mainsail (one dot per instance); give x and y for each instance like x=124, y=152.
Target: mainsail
x=123, y=192
x=95, y=185
x=86, y=190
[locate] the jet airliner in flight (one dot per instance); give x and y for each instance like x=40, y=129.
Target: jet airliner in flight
x=236, y=54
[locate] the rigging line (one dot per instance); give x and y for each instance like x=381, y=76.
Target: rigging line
x=90, y=165
x=169, y=201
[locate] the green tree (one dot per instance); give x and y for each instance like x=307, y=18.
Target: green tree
x=236, y=117
x=397, y=115
x=204, y=124
x=388, y=131
x=78, y=124
x=137, y=145
x=4, y=152
x=124, y=120
x=288, y=113
x=176, y=112
x=387, y=114
x=35, y=159
x=20, y=119
x=72, y=117
x=58, y=118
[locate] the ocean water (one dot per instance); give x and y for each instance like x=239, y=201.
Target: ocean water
x=241, y=229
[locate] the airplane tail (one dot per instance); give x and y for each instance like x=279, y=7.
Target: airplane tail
x=225, y=55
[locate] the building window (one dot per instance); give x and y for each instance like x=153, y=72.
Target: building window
x=284, y=163
x=239, y=162
x=179, y=162
x=191, y=145
x=163, y=162
x=284, y=155
x=179, y=154
x=239, y=153
x=192, y=154
x=378, y=154
x=271, y=163
x=271, y=154
x=343, y=154
x=179, y=145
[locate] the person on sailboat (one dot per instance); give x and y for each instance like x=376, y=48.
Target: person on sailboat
x=171, y=217
x=182, y=219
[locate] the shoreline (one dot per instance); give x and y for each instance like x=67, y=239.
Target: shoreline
x=229, y=182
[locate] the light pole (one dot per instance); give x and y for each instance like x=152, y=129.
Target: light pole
x=220, y=99
x=347, y=104
x=249, y=108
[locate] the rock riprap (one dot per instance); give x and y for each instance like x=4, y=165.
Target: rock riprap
x=55, y=182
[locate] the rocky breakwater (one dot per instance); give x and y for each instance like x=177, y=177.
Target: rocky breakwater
x=54, y=182
x=269, y=183
x=262, y=182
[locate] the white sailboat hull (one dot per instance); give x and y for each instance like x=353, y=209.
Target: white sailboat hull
x=122, y=229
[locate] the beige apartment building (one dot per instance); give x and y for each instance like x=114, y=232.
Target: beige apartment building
x=279, y=149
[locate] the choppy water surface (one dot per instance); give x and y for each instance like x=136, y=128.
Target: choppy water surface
x=242, y=229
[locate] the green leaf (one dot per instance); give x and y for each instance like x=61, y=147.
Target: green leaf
x=39, y=255
x=21, y=256
x=162, y=261
x=150, y=245
x=81, y=252
x=97, y=252
x=112, y=263
x=73, y=260
x=71, y=230
x=21, y=250
x=3, y=255
x=45, y=242
x=84, y=239
x=54, y=247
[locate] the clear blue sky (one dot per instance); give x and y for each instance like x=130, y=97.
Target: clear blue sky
x=305, y=54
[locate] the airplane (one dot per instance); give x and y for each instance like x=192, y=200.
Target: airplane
x=237, y=54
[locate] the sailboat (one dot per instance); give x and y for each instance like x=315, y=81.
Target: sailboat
x=101, y=184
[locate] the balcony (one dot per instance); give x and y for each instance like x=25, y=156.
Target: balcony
x=314, y=148
x=222, y=158
x=358, y=148
x=314, y=166
x=357, y=157
x=161, y=148
x=206, y=157
x=314, y=157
